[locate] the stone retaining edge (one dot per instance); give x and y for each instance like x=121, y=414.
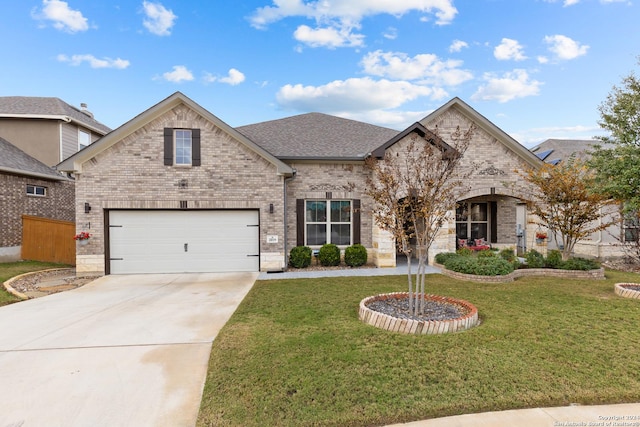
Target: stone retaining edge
x=527, y=272
x=620, y=290
x=12, y=291
x=418, y=327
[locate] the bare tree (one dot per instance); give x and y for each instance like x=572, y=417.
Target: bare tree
x=414, y=188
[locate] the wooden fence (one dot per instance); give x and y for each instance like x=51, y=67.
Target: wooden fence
x=49, y=240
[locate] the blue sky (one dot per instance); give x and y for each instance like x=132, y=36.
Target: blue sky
x=538, y=69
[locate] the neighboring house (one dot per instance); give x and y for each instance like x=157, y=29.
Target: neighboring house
x=176, y=189
x=555, y=150
x=28, y=187
x=47, y=129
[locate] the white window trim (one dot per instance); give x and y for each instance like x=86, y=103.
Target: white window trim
x=83, y=132
x=175, y=148
x=328, y=221
x=34, y=193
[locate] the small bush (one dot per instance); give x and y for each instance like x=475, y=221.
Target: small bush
x=554, y=259
x=300, y=257
x=443, y=257
x=580, y=264
x=329, y=255
x=508, y=255
x=486, y=253
x=355, y=256
x=493, y=266
x=534, y=259
x=464, y=252
x=484, y=266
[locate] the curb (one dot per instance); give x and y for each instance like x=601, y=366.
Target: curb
x=12, y=291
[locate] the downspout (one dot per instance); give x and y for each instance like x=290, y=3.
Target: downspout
x=286, y=223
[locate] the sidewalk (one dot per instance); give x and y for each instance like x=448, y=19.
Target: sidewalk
x=626, y=414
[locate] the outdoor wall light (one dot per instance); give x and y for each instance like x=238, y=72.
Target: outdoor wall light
x=87, y=207
x=270, y=208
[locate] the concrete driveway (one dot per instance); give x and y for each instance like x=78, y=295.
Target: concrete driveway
x=120, y=351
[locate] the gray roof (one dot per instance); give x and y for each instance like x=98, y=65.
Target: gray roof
x=15, y=161
x=43, y=106
x=556, y=150
x=317, y=136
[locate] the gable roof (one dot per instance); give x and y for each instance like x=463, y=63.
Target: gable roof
x=420, y=130
x=555, y=150
x=317, y=136
x=32, y=107
x=486, y=125
x=15, y=161
x=74, y=163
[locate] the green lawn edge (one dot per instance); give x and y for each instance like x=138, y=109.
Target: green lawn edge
x=13, y=269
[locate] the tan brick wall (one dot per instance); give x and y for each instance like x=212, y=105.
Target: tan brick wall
x=131, y=175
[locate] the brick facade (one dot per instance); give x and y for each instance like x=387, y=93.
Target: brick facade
x=131, y=175
x=14, y=202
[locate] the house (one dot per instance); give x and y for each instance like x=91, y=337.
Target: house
x=176, y=189
x=47, y=129
x=28, y=187
x=555, y=150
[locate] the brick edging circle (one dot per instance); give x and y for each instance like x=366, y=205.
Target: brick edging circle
x=597, y=274
x=424, y=327
x=624, y=292
x=12, y=291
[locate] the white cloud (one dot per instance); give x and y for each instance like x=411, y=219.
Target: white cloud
x=534, y=136
x=391, y=33
x=158, y=19
x=335, y=19
x=330, y=37
x=565, y=48
x=426, y=68
x=509, y=49
x=350, y=10
x=179, y=74
x=94, y=62
x=458, y=45
x=62, y=16
x=353, y=95
x=512, y=85
x=542, y=59
x=234, y=77
x=566, y=3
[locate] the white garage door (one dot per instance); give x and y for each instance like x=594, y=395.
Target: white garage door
x=183, y=241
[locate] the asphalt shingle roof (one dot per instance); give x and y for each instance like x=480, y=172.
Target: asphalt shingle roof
x=562, y=149
x=317, y=136
x=14, y=159
x=47, y=106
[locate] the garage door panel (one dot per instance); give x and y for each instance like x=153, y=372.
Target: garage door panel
x=154, y=241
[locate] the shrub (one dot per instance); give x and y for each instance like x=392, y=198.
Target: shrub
x=486, y=253
x=300, y=257
x=443, y=257
x=329, y=255
x=493, y=266
x=580, y=264
x=483, y=266
x=464, y=252
x=534, y=259
x=355, y=256
x=554, y=259
x=508, y=255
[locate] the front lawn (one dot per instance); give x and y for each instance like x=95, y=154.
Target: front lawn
x=12, y=269
x=295, y=353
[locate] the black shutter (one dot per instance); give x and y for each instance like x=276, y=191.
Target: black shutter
x=300, y=222
x=195, y=147
x=494, y=221
x=355, y=220
x=168, y=146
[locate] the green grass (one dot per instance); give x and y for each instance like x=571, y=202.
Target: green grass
x=295, y=353
x=12, y=269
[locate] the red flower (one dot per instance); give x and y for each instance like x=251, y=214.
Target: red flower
x=83, y=235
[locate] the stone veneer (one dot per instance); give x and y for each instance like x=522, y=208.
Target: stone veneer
x=417, y=327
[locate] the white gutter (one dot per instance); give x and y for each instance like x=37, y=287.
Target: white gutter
x=33, y=174
x=66, y=119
